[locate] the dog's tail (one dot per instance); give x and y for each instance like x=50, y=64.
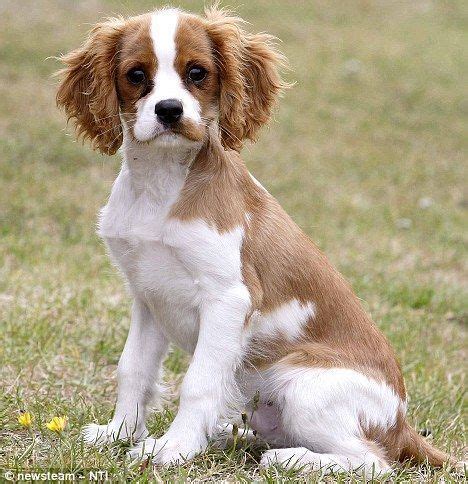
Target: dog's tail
x=416, y=448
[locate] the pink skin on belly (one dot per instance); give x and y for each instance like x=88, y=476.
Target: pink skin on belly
x=266, y=420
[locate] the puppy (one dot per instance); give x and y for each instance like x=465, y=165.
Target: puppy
x=213, y=263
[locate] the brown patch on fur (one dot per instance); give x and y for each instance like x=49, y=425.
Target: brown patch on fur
x=416, y=448
x=217, y=188
x=390, y=440
x=248, y=76
x=193, y=48
x=136, y=52
x=402, y=443
x=87, y=91
x=281, y=260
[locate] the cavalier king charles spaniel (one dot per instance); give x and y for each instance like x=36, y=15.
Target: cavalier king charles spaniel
x=215, y=266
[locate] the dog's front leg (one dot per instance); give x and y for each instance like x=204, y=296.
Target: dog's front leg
x=208, y=391
x=138, y=374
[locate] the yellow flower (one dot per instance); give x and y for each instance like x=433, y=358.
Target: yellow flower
x=57, y=424
x=25, y=419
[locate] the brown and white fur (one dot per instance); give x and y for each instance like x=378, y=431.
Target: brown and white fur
x=216, y=267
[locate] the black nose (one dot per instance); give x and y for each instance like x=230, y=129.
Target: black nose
x=168, y=111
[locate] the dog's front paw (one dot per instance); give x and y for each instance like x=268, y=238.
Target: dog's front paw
x=166, y=451
x=94, y=434
x=147, y=448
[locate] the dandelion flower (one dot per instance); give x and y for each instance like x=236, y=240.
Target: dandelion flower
x=25, y=419
x=57, y=424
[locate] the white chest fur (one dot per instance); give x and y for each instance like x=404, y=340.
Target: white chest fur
x=172, y=266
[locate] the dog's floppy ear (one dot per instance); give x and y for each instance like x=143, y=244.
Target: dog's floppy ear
x=87, y=90
x=249, y=77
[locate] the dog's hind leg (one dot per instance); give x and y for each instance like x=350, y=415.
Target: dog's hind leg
x=322, y=416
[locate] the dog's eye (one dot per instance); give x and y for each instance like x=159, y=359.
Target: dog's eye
x=136, y=76
x=196, y=74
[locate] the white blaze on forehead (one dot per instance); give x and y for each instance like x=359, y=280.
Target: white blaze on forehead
x=163, y=32
x=167, y=82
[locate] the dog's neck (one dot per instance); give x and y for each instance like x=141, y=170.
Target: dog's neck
x=157, y=169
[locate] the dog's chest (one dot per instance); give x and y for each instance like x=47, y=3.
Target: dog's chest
x=172, y=266
x=156, y=276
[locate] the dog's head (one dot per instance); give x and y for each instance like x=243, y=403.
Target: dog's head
x=167, y=76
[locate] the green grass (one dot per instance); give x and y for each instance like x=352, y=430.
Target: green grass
x=367, y=153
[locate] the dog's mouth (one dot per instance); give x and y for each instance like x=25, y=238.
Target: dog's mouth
x=168, y=132
x=187, y=129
